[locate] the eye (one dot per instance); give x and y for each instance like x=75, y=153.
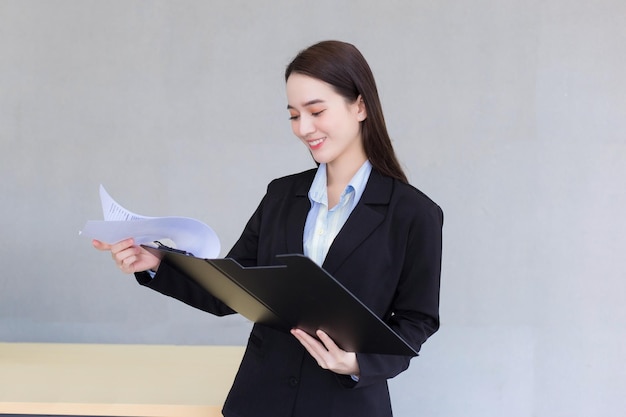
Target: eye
x=317, y=113
x=294, y=117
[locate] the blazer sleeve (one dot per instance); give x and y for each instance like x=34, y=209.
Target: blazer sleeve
x=173, y=283
x=414, y=313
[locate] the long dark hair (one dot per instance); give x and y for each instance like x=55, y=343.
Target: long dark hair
x=341, y=65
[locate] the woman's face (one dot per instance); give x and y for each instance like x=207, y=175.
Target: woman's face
x=324, y=121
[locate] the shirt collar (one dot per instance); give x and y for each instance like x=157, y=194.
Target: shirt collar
x=318, y=192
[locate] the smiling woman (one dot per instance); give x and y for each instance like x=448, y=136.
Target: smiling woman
x=342, y=67
x=329, y=125
x=358, y=218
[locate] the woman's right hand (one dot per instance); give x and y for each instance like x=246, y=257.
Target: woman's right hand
x=130, y=258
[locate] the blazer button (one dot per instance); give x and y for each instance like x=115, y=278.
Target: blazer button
x=293, y=381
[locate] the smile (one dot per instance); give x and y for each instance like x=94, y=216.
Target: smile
x=316, y=143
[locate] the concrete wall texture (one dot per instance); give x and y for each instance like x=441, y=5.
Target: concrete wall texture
x=510, y=114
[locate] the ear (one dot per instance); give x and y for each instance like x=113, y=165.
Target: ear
x=361, y=110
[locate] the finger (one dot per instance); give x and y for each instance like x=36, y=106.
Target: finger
x=126, y=256
x=306, y=339
x=327, y=354
x=122, y=245
x=313, y=346
x=100, y=245
x=129, y=264
x=327, y=341
x=300, y=335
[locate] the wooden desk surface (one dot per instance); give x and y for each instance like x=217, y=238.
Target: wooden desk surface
x=109, y=380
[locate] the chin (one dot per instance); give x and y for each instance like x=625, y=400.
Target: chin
x=319, y=159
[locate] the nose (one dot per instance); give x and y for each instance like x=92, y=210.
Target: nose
x=305, y=126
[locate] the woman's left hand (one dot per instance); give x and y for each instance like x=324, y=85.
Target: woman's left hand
x=327, y=354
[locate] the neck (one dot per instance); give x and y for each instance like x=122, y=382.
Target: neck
x=340, y=173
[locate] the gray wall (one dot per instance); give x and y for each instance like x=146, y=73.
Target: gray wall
x=510, y=114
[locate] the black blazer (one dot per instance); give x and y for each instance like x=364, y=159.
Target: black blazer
x=388, y=254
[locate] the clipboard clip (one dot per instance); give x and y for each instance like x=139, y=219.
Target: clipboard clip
x=170, y=249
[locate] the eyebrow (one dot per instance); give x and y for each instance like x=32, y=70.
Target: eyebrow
x=308, y=103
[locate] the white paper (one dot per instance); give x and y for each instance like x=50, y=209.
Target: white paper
x=182, y=233
x=111, y=210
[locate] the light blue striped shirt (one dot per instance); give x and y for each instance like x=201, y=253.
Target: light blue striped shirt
x=323, y=224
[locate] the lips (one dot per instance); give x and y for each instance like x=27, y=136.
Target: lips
x=315, y=144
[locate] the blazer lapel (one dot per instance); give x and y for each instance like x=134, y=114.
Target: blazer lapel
x=298, y=211
x=368, y=214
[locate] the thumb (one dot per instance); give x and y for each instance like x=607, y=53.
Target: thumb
x=100, y=245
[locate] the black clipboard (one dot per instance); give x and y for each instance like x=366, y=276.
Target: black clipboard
x=297, y=293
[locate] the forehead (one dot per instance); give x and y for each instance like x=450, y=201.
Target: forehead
x=302, y=89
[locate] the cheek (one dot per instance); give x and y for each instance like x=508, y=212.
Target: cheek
x=353, y=128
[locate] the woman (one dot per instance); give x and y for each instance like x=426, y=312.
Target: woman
x=357, y=217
